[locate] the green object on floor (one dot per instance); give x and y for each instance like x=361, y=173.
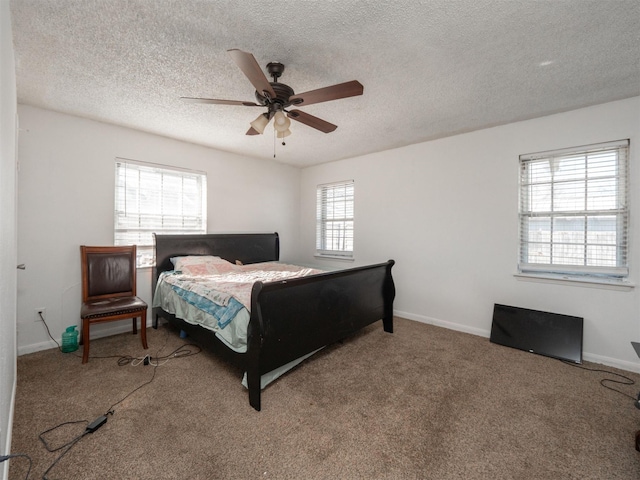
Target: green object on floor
x=69, y=340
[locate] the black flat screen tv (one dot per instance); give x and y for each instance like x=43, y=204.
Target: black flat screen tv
x=550, y=334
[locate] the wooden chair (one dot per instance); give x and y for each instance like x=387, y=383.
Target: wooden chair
x=109, y=290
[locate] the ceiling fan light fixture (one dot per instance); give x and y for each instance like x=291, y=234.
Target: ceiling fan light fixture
x=280, y=122
x=276, y=96
x=260, y=123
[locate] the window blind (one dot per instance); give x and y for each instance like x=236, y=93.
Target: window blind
x=334, y=228
x=574, y=211
x=152, y=198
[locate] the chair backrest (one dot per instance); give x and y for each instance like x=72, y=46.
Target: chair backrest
x=108, y=272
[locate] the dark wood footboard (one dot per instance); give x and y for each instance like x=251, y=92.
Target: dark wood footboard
x=295, y=317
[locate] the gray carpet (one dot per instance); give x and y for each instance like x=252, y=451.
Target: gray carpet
x=422, y=403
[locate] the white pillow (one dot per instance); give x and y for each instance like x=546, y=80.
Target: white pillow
x=202, y=265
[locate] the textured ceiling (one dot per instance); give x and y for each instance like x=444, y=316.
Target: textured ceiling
x=430, y=69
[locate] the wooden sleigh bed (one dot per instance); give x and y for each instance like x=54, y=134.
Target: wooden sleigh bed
x=289, y=318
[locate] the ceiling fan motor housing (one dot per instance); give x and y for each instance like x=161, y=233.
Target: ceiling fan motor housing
x=282, y=91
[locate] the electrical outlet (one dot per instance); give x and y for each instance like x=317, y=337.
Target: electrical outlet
x=41, y=311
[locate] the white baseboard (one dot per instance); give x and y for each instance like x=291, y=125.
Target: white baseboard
x=589, y=357
x=95, y=333
x=441, y=323
x=611, y=362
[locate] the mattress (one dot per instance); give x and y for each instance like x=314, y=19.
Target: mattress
x=219, y=301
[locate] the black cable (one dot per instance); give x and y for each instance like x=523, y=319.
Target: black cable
x=625, y=380
x=177, y=353
x=69, y=446
x=88, y=430
x=128, y=359
x=181, y=351
x=4, y=458
x=110, y=410
x=46, y=444
x=47, y=327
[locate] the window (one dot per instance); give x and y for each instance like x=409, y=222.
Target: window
x=152, y=198
x=574, y=211
x=334, y=228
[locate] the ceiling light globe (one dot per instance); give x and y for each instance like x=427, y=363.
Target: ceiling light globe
x=260, y=123
x=280, y=122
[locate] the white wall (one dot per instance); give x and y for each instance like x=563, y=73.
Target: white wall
x=447, y=212
x=7, y=233
x=65, y=199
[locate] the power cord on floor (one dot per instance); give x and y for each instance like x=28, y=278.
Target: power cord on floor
x=185, y=350
x=148, y=360
x=90, y=428
x=624, y=380
x=67, y=445
x=4, y=458
x=110, y=411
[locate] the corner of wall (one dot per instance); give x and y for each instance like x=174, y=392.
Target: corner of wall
x=8, y=248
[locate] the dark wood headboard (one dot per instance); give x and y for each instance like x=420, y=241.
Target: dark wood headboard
x=245, y=247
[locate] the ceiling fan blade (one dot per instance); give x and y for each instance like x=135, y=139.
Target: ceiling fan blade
x=252, y=131
x=341, y=90
x=311, y=121
x=253, y=72
x=216, y=101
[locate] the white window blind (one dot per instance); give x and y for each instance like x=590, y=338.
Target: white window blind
x=334, y=216
x=574, y=211
x=152, y=198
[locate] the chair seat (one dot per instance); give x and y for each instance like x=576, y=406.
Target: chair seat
x=111, y=306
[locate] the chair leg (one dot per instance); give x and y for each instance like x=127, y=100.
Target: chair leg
x=143, y=328
x=85, y=340
x=135, y=325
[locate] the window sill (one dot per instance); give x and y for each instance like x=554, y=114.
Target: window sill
x=576, y=281
x=335, y=257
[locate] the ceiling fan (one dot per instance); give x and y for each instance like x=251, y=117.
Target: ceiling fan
x=278, y=97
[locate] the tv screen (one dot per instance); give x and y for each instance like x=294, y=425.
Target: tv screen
x=550, y=334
